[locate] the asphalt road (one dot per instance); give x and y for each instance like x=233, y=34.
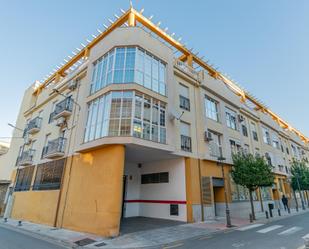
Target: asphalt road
x=10, y=239
x=282, y=234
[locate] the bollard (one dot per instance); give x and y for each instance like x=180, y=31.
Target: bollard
x=289, y=210
x=279, y=212
x=5, y=219
x=251, y=218
x=296, y=208
x=19, y=223
x=266, y=213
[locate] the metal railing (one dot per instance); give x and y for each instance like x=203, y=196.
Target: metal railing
x=64, y=105
x=187, y=69
x=34, y=124
x=186, y=143
x=54, y=146
x=26, y=157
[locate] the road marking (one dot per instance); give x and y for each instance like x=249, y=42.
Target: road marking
x=206, y=237
x=173, y=246
x=268, y=229
x=306, y=236
x=290, y=231
x=249, y=227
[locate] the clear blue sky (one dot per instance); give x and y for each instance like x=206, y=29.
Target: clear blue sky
x=264, y=44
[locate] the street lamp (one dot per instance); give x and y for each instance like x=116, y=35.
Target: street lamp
x=227, y=210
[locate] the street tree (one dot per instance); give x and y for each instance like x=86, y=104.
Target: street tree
x=251, y=172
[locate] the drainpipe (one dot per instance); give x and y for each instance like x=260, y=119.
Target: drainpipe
x=71, y=163
x=201, y=189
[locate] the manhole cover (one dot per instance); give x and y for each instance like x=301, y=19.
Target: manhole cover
x=84, y=242
x=100, y=244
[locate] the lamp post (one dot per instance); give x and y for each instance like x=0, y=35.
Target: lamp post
x=227, y=210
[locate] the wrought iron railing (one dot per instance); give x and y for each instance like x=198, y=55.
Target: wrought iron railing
x=186, y=143
x=64, y=105
x=54, y=146
x=26, y=157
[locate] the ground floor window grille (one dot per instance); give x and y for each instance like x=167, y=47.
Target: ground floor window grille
x=24, y=178
x=265, y=193
x=48, y=175
x=241, y=193
x=161, y=177
x=206, y=190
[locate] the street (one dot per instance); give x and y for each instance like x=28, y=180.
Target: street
x=10, y=239
x=283, y=234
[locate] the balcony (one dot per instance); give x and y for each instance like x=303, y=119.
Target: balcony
x=34, y=125
x=55, y=148
x=62, y=109
x=26, y=158
x=182, y=66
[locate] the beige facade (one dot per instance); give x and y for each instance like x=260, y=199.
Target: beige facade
x=195, y=119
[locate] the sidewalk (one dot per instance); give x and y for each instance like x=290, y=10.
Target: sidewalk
x=149, y=238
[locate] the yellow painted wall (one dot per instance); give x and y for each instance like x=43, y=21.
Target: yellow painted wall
x=35, y=206
x=91, y=198
x=207, y=168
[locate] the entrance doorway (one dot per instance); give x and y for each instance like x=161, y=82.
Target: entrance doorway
x=218, y=192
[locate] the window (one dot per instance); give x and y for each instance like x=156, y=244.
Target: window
x=269, y=157
x=235, y=146
x=185, y=136
x=265, y=193
x=266, y=136
x=126, y=113
x=48, y=175
x=244, y=130
x=24, y=178
x=215, y=145
x=246, y=149
x=231, y=119
x=257, y=152
x=276, y=143
x=129, y=65
x=240, y=193
x=294, y=151
x=184, y=100
x=211, y=107
x=253, y=130
x=161, y=177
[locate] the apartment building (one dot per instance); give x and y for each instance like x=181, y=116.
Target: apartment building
x=126, y=128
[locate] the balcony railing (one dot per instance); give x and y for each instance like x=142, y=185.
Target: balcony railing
x=62, y=109
x=26, y=158
x=33, y=126
x=55, y=148
x=187, y=69
x=186, y=143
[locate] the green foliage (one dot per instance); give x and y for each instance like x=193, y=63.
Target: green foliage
x=300, y=174
x=251, y=171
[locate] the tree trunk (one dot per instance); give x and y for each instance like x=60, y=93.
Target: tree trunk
x=252, y=206
x=261, y=199
x=295, y=198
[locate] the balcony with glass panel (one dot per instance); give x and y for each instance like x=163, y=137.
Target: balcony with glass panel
x=34, y=126
x=62, y=109
x=185, y=68
x=26, y=158
x=127, y=65
x=55, y=148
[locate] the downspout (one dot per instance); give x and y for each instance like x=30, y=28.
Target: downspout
x=65, y=168
x=201, y=189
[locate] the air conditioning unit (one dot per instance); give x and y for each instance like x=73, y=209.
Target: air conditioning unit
x=72, y=85
x=207, y=136
x=241, y=118
x=61, y=122
x=28, y=140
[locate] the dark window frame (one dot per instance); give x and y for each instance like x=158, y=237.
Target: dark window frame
x=153, y=178
x=184, y=103
x=24, y=179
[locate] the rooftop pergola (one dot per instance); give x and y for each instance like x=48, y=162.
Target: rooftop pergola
x=131, y=18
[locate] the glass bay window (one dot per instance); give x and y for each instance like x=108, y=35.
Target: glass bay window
x=126, y=113
x=129, y=65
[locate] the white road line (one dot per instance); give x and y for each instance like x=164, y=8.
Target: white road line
x=249, y=227
x=290, y=231
x=268, y=229
x=306, y=236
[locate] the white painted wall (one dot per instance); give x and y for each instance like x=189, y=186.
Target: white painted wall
x=173, y=190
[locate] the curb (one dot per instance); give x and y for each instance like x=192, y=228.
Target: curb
x=33, y=234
